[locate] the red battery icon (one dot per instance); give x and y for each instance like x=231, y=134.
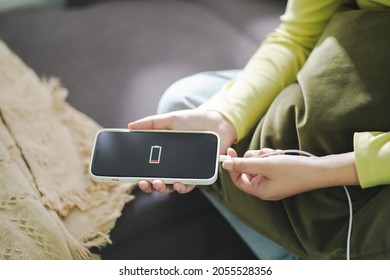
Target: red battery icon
x=155, y=154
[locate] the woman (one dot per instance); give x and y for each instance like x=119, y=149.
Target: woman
x=315, y=84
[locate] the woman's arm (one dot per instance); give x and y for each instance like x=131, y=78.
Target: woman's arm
x=275, y=65
x=279, y=176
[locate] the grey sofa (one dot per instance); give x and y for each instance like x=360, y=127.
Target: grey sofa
x=117, y=58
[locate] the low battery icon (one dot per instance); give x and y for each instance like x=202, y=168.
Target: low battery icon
x=155, y=154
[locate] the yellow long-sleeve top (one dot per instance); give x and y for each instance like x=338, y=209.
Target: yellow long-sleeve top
x=244, y=100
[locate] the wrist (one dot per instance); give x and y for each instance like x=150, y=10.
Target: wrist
x=224, y=126
x=338, y=170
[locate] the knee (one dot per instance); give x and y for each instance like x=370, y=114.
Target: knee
x=191, y=92
x=174, y=98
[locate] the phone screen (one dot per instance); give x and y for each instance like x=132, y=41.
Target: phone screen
x=155, y=154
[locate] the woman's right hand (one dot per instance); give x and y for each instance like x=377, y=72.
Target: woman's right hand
x=195, y=120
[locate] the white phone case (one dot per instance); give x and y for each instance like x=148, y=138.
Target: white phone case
x=154, y=159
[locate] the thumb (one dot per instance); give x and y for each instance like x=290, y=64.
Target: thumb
x=153, y=122
x=243, y=165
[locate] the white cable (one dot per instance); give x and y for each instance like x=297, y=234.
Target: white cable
x=281, y=152
x=348, y=249
x=222, y=158
x=348, y=244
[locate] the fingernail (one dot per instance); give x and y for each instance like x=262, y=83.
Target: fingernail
x=178, y=187
x=144, y=189
x=228, y=164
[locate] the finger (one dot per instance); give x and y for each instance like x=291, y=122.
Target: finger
x=145, y=186
x=265, y=151
x=244, y=165
x=241, y=180
x=238, y=178
x=270, y=152
x=163, y=121
x=249, y=184
x=182, y=189
x=261, y=152
x=161, y=187
x=231, y=152
x=252, y=153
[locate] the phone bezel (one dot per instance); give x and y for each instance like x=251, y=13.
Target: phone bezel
x=187, y=181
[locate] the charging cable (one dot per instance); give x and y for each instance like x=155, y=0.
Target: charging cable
x=222, y=158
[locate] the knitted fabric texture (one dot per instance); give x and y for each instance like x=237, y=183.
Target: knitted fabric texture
x=49, y=207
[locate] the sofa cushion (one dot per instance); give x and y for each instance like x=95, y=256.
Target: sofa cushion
x=118, y=57
x=45, y=190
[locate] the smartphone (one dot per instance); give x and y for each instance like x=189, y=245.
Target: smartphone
x=188, y=157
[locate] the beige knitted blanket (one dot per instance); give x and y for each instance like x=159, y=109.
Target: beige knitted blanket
x=49, y=208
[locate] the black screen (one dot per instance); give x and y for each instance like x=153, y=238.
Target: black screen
x=148, y=154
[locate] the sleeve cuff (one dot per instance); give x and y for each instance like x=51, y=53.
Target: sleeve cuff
x=372, y=157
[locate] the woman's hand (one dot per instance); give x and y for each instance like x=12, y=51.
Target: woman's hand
x=196, y=120
x=279, y=176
